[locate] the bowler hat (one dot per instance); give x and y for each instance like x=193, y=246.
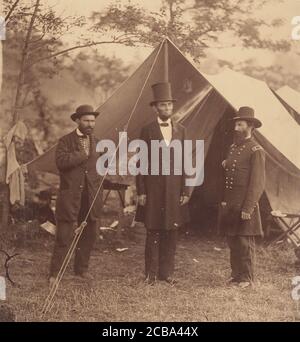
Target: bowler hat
x=84, y=110
x=247, y=114
x=162, y=92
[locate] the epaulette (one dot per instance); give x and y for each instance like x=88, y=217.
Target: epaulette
x=256, y=148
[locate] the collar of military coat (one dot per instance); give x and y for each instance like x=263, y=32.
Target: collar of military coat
x=244, y=141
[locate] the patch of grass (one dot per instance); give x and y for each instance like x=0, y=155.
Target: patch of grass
x=118, y=292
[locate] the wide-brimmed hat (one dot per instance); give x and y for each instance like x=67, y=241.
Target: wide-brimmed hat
x=162, y=92
x=247, y=114
x=83, y=110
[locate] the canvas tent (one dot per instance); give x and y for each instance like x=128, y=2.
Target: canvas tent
x=279, y=135
x=290, y=99
x=204, y=105
x=128, y=108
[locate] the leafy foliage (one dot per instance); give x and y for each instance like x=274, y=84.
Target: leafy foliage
x=193, y=25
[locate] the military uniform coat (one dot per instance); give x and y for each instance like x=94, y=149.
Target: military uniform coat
x=244, y=180
x=76, y=170
x=163, y=209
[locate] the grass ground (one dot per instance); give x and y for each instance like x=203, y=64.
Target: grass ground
x=118, y=292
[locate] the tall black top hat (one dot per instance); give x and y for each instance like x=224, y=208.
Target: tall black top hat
x=162, y=92
x=247, y=114
x=84, y=110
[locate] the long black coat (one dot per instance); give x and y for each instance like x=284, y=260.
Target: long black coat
x=244, y=181
x=76, y=169
x=162, y=210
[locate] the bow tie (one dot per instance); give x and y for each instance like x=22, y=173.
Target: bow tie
x=164, y=124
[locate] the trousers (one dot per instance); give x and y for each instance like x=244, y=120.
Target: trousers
x=160, y=251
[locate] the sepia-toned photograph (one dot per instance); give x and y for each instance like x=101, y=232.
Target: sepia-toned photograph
x=150, y=163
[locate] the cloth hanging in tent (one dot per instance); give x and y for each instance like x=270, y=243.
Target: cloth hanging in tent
x=14, y=174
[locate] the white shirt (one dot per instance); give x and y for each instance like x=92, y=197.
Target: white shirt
x=166, y=131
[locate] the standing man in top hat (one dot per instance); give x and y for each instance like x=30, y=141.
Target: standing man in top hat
x=76, y=159
x=161, y=196
x=244, y=184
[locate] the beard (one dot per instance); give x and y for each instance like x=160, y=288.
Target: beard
x=86, y=130
x=164, y=116
x=238, y=136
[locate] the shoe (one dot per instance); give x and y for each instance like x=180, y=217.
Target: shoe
x=231, y=281
x=244, y=284
x=150, y=281
x=85, y=276
x=170, y=281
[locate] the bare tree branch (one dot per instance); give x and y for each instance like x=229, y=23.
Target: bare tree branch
x=37, y=40
x=23, y=61
x=81, y=46
x=11, y=10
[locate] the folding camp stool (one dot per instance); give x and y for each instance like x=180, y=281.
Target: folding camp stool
x=120, y=188
x=290, y=227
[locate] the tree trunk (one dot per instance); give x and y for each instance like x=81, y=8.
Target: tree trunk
x=4, y=206
x=4, y=191
x=23, y=64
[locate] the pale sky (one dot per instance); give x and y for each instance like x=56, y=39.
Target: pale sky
x=85, y=7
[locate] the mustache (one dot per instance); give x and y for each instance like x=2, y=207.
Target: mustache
x=88, y=128
x=239, y=136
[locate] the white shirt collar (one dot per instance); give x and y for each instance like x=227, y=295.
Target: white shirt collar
x=79, y=133
x=159, y=120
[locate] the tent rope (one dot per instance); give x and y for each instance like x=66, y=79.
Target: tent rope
x=48, y=304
